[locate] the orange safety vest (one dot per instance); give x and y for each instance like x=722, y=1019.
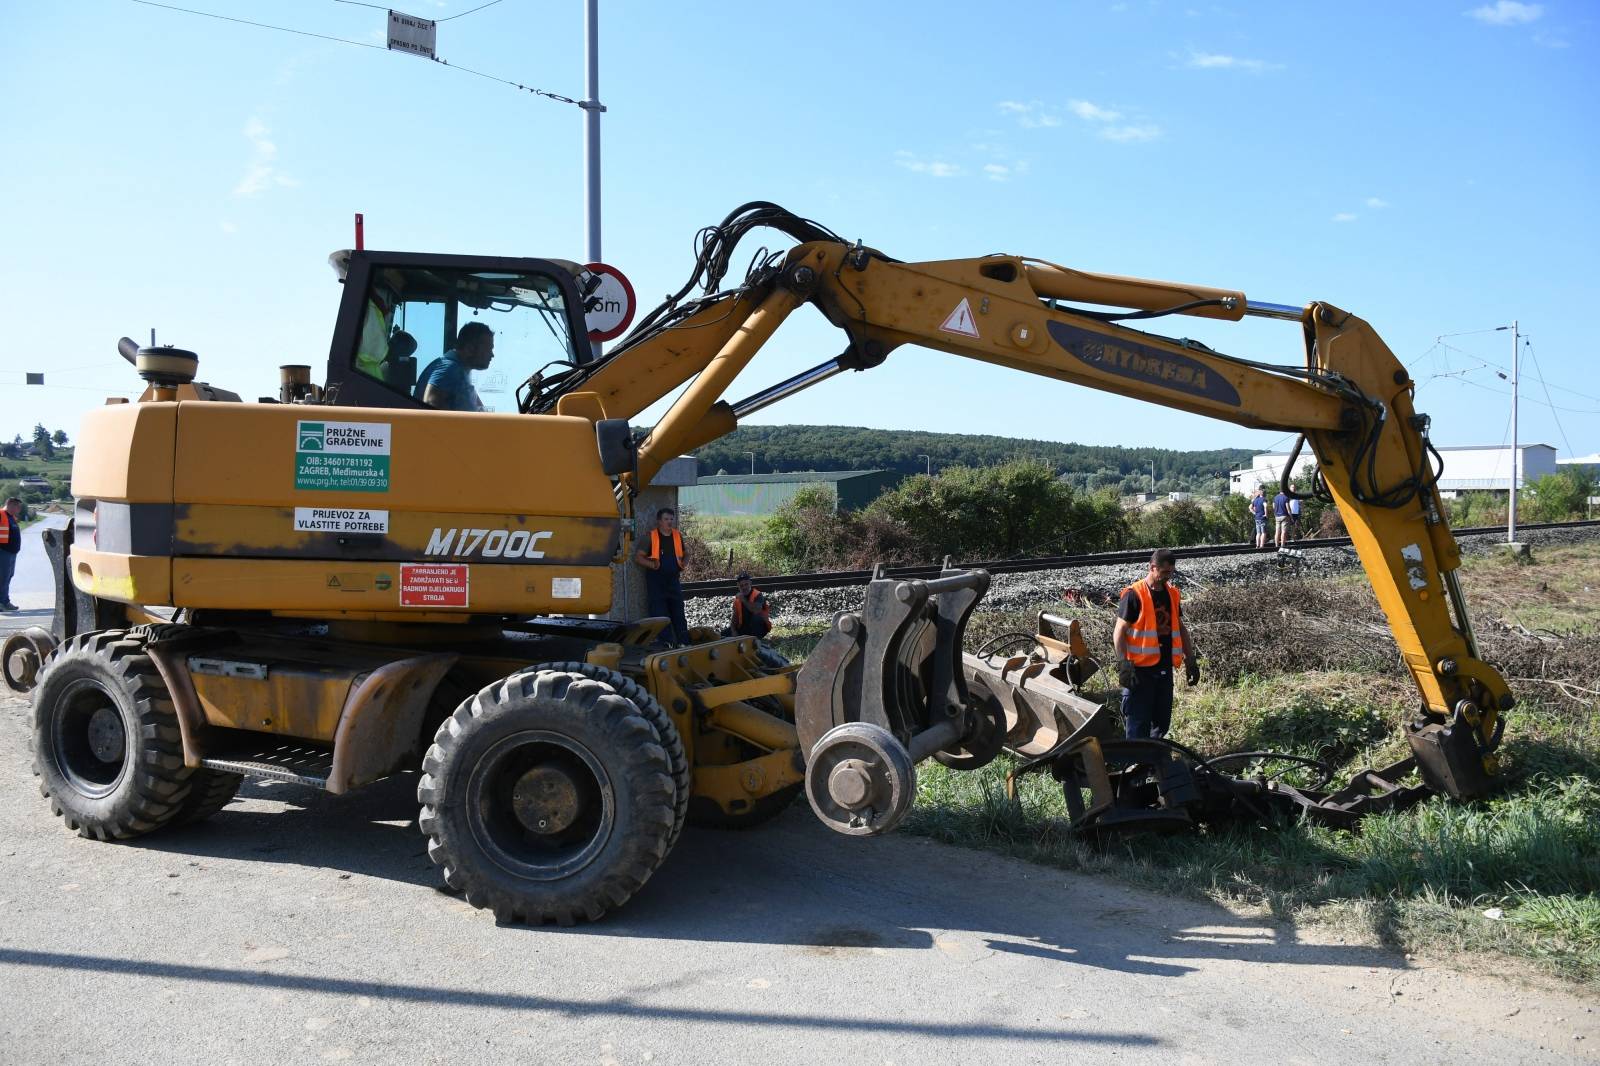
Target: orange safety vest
x=655, y=546
x=1144, y=639
x=7, y=523
x=758, y=605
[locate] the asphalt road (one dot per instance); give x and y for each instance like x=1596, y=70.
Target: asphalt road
x=298, y=927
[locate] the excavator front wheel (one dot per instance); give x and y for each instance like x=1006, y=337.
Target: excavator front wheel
x=548, y=797
x=106, y=748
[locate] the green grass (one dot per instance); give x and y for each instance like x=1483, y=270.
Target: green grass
x=725, y=533
x=1419, y=880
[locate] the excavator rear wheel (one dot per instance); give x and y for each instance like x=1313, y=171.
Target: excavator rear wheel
x=106, y=747
x=548, y=797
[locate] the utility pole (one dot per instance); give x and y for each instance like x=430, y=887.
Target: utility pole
x=752, y=456
x=929, y=459
x=592, y=107
x=1511, y=514
x=1152, y=477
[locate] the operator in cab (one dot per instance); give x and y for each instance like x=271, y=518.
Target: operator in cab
x=661, y=555
x=1152, y=643
x=446, y=382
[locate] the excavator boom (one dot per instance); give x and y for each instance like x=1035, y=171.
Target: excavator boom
x=1348, y=397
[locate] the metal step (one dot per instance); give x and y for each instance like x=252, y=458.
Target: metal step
x=289, y=759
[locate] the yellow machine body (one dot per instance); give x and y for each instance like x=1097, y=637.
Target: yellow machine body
x=215, y=506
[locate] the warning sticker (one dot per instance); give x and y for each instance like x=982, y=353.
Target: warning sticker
x=566, y=588
x=960, y=321
x=342, y=456
x=340, y=520
x=433, y=584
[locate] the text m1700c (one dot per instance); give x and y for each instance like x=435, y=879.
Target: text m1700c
x=488, y=543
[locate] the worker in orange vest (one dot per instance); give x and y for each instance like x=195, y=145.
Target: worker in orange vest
x=751, y=617
x=1152, y=642
x=10, y=545
x=661, y=555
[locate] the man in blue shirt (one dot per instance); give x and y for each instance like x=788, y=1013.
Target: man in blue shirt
x=445, y=383
x=1258, y=510
x=1280, y=516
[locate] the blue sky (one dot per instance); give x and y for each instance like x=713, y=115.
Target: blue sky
x=1429, y=166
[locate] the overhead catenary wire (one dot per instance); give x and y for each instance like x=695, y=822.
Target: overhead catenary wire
x=1539, y=377
x=447, y=18
x=557, y=97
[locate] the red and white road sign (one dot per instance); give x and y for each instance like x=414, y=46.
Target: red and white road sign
x=611, y=305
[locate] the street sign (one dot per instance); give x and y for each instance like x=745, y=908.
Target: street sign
x=408, y=33
x=608, y=308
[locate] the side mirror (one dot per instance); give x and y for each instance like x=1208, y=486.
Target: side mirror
x=615, y=440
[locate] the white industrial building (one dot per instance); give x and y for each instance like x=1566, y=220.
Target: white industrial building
x=1473, y=468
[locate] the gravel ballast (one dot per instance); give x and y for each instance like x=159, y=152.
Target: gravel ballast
x=1021, y=591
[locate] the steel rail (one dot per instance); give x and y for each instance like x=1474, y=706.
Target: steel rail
x=845, y=578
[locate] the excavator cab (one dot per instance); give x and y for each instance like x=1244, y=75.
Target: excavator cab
x=401, y=312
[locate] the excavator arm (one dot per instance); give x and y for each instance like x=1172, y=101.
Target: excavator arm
x=1349, y=398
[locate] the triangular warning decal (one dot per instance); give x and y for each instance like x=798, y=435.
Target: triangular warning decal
x=960, y=321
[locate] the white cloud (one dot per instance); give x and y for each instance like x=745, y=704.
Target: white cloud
x=1092, y=113
x=996, y=171
x=1217, y=61
x=1030, y=115
x=262, y=173
x=228, y=227
x=1343, y=216
x=1126, y=134
x=934, y=168
x=1506, y=13
x=1377, y=203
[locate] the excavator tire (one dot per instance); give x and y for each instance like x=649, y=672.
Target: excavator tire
x=547, y=797
x=656, y=715
x=106, y=747
x=209, y=792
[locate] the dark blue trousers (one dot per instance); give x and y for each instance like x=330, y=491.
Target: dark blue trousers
x=666, y=601
x=1147, y=707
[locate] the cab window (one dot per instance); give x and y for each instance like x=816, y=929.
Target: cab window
x=462, y=340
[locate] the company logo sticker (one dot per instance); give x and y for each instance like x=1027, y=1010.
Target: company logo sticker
x=342, y=456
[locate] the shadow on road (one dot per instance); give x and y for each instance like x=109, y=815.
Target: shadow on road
x=620, y=1007
x=794, y=883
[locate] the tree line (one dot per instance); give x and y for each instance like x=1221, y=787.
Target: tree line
x=1088, y=468
x=1016, y=509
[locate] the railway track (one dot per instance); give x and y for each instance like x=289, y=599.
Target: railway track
x=838, y=578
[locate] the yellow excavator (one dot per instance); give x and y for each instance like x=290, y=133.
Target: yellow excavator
x=341, y=582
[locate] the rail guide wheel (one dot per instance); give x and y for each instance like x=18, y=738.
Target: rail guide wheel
x=860, y=779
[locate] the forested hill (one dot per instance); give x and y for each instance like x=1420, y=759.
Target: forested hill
x=782, y=449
